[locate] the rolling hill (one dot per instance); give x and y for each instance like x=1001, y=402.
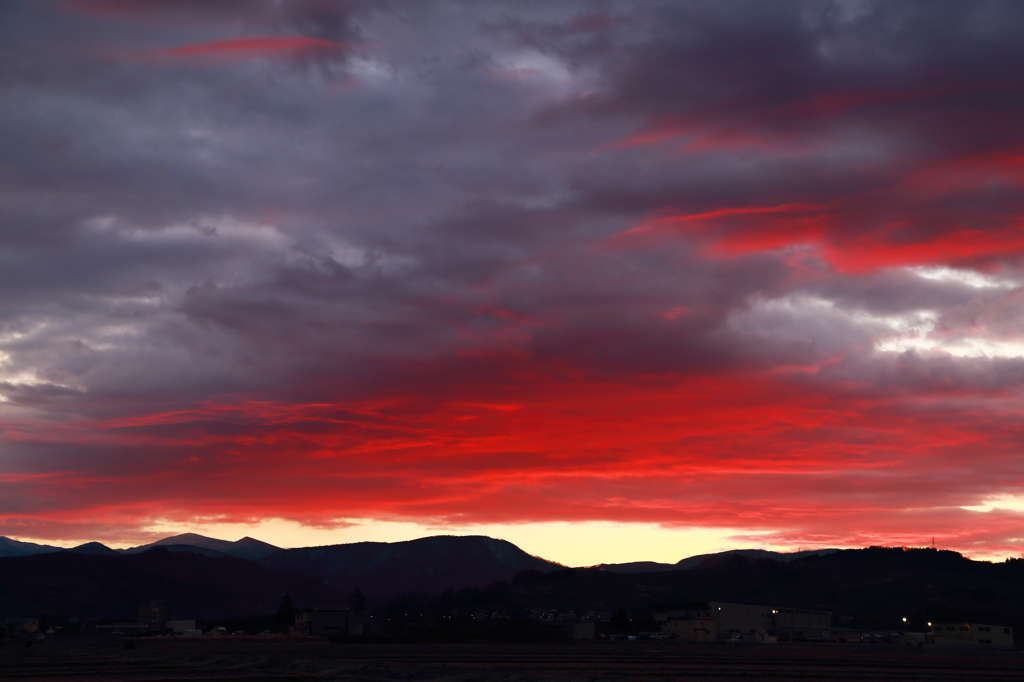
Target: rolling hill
x=707, y=560
x=9, y=547
x=246, y=548
x=114, y=586
x=425, y=566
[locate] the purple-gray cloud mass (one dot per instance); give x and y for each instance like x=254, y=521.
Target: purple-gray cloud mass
x=501, y=262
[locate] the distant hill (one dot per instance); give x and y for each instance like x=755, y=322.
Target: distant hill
x=870, y=588
x=864, y=589
x=251, y=548
x=93, y=548
x=707, y=560
x=191, y=548
x=382, y=570
x=193, y=539
x=246, y=548
x=114, y=586
x=9, y=547
x=425, y=566
x=637, y=567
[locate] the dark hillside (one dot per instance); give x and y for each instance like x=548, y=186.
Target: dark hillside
x=246, y=548
x=195, y=586
x=425, y=566
x=94, y=548
x=868, y=588
x=873, y=587
x=9, y=547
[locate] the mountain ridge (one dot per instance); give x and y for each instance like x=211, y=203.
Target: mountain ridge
x=256, y=550
x=871, y=587
x=876, y=588
x=12, y=548
x=246, y=548
x=93, y=548
x=383, y=570
x=709, y=560
x=87, y=584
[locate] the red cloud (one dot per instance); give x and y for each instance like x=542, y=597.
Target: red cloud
x=928, y=215
x=252, y=45
x=737, y=230
x=961, y=247
x=750, y=125
x=720, y=450
x=658, y=130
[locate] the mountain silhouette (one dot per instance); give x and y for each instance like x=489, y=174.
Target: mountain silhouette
x=114, y=586
x=707, y=560
x=193, y=539
x=246, y=548
x=425, y=566
x=94, y=548
x=251, y=548
x=9, y=547
x=870, y=588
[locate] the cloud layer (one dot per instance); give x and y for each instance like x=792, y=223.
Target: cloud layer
x=727, y=265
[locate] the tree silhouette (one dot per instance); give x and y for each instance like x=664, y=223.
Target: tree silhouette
x=284, y=609
x=620, y=620
x=358, y=601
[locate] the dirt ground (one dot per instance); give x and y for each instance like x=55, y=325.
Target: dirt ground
x=287, y=658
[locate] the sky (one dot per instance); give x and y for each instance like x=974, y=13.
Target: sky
x=614, y=281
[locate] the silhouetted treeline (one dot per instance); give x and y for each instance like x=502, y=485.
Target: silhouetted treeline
x=873, y=588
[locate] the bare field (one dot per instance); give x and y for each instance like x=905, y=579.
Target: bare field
x=284, y=658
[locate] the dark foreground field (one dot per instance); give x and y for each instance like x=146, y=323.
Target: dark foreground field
x=280, y=658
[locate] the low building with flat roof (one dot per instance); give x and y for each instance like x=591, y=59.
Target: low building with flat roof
x=976, y=634
x=690, y=627
x=179, y=627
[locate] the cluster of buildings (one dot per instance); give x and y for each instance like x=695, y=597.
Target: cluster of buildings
x=23, y=628
x=703, y=622
x=556, y=616
x=723, y=621
x=759, y=624
x=153, y=617
x=331, y=622
x=699, y=622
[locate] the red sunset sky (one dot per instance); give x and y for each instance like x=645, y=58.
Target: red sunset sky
x=703, y=275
